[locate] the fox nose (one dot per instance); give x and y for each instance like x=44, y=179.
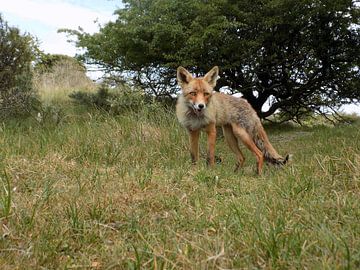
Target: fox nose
x=201, y=106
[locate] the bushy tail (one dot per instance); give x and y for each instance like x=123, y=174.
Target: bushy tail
x=279, y=161
x=262, y=142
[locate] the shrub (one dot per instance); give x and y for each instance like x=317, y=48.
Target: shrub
x=57, y=75
x=47, y=62
x=16, y=55
x=112, y=100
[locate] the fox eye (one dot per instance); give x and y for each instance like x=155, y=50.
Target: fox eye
x=206, y=94
x=192, y=94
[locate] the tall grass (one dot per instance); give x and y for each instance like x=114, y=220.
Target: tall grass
x=119, y=192
x=64, y=78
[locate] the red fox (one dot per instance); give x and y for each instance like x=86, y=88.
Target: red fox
x=199, y=107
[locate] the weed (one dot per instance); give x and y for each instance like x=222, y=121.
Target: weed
x=5, y=195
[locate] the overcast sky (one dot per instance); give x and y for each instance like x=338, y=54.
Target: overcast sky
x=43, y=18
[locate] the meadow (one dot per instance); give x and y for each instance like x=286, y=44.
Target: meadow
x=84, y=189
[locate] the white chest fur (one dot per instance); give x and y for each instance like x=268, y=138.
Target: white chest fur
x=190, y=119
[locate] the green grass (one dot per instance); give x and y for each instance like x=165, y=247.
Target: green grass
x=94, y=191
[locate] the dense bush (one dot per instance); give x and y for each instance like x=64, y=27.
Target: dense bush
x=113, y=100
x=16, y=55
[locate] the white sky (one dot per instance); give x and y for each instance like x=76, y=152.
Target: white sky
x=43, y=18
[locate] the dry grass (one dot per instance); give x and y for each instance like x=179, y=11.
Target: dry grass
x=65, y=78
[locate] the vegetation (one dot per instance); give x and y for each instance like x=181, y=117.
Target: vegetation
x=57, y=76
x=16, y=54
x=301, y=55
x=88, y=188
x=104, y=180
x=114, y=101
x=47, y=62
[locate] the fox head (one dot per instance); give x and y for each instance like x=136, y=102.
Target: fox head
x=197, y=91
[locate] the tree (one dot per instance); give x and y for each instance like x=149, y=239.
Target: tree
x=16, y=56
x=302, y=55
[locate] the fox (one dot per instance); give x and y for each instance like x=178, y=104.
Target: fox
x=200, y=108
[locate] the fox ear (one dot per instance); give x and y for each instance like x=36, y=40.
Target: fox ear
x=183, y=76
x=212, y=76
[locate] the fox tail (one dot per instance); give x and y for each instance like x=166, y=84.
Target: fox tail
x=270, y=154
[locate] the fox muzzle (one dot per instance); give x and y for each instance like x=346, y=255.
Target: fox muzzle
x=200, y=106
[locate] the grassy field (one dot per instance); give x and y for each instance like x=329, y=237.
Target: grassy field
x=94, y=191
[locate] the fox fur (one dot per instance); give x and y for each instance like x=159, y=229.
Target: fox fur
x=199, y=107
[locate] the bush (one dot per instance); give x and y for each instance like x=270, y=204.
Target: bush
x=112, y=100
x=47, y=62
x=17, y=95
x=56, y=76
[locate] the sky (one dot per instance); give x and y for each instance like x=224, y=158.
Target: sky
x=43, y=18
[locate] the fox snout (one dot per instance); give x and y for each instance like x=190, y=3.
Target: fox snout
x=200, y=106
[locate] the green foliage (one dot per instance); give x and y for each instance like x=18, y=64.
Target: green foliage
x=298, y=54
x=46, y=62
x=113, y=100
x=16, y=55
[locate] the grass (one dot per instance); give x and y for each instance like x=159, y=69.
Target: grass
x=94, y=191
x=65, y=76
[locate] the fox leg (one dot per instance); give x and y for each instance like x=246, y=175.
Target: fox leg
x=249, y=143
x=211, y=134
x=194, y=145
x=234, y=146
